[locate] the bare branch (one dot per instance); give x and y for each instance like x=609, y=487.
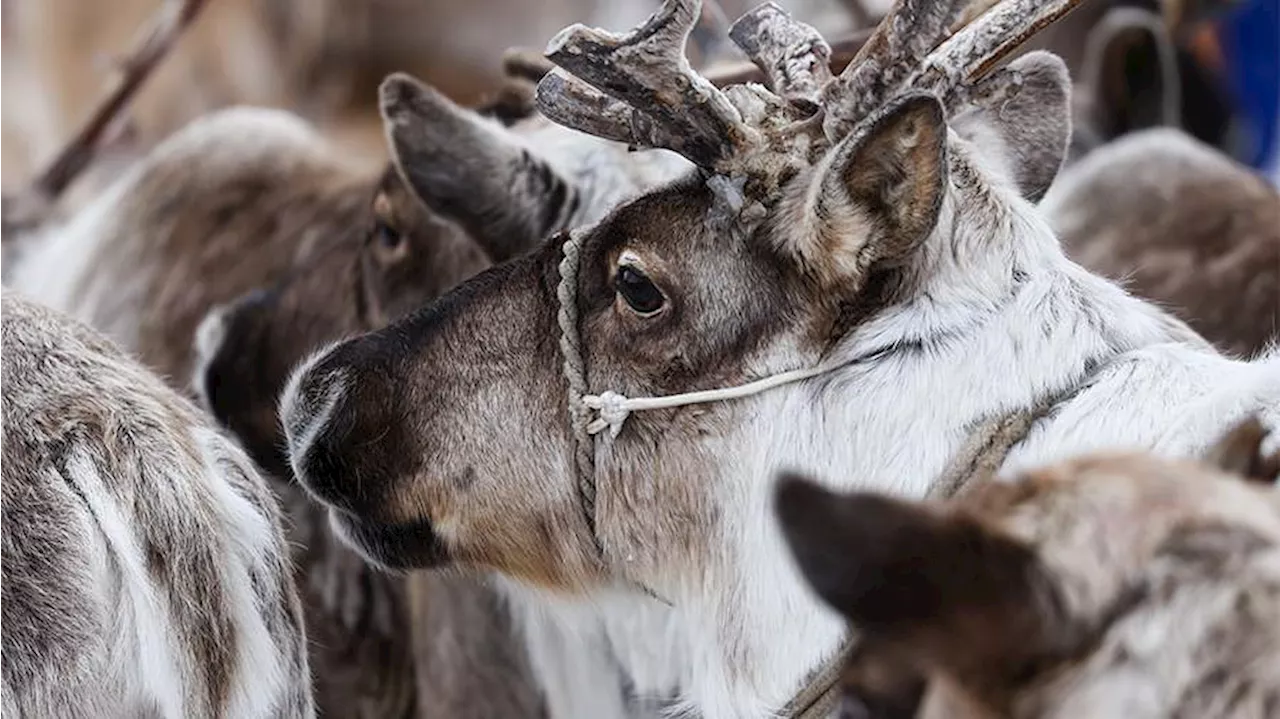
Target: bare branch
x=165, y=28
x=792, y=55
x=646, y=69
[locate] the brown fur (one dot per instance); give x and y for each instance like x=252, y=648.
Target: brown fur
x=231, y=205
x=1182, y=225
x=1042, y=597
x=414, y=383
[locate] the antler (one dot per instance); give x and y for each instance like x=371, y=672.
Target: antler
x=792, y=55
x=531, y=66
x=972, y=52
x=638, y=88
x=911, y=49
x=899, y=43
x=163, y=31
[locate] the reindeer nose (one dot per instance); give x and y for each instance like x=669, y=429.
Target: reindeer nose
x=346, y=424
x=312, y=409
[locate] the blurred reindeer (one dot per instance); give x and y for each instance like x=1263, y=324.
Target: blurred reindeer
x=145, y=570
x=1118, y=583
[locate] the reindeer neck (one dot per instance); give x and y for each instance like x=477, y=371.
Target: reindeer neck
x=1025, y=325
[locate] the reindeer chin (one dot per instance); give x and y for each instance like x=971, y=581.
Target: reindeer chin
x=397, y=547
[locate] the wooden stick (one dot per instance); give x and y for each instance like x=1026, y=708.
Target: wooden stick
x=163, y=31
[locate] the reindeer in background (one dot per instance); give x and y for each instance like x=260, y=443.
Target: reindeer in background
x=1182, y=224
x=145, y=571
x=1109, y=583
x=320, y=58
x=258, y=191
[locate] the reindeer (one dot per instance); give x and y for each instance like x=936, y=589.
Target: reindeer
x=260, y=192
x=321, y=58
x=495, y=189
x=1131, y=71
x=237, y=201
x=855, y=260
x=1181, y=224
x=1112, y=582
x=145, y=571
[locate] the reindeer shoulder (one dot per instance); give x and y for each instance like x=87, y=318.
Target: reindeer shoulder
x=144, y=560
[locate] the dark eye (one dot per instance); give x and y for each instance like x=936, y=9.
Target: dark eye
x=637, y=290
x=386, y=235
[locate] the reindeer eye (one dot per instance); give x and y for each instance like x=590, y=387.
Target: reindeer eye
x=638, y=291
x=386, y=235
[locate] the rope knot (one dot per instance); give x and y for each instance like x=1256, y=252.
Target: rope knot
x=612, y=409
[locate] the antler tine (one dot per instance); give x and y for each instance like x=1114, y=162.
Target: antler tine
x=974, y=51
x=647, y=70
x=792, y=55
x=568, y=101
x=895, y=49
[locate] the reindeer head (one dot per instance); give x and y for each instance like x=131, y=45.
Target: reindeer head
x=1105, y=583
x=817, y=205
x=461, y=192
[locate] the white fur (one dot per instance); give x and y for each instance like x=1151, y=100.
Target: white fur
x=750, y=632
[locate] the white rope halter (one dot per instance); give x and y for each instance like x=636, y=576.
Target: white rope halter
x=989, y=444
x=591, y=414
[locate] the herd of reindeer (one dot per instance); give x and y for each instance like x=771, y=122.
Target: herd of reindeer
x=712, y=369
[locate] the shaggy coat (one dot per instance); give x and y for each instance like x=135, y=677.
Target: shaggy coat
x=506, y=189
x=1107, y=585
x=1181, y=224
x=145, y=571
x=235, y=201
x=253, y=200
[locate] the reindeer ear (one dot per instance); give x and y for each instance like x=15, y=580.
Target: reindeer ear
x=1239, y=452
x=1131, y=72
x=1031, y=129
x=468, y=169
x=954, y=593
x=876, y=196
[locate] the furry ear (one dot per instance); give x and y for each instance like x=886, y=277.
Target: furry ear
x=1031, y=128
x=948, y=591
x=469, y=170
x=1239, y=452
x=1131, y=74
x=876, y=195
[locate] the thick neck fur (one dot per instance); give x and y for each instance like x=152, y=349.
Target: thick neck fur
x=994, y=319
